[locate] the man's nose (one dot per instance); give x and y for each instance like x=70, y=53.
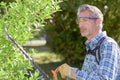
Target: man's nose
x=81, y=24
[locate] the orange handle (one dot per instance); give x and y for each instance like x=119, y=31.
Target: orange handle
x=54, y=72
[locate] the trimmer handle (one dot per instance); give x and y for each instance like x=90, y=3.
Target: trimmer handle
x=54, y=72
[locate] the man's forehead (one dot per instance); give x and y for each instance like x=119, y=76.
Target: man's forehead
x=85, y=13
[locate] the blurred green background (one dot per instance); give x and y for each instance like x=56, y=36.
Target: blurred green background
x=50, y=28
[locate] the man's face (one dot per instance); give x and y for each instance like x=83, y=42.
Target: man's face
x=87, y=25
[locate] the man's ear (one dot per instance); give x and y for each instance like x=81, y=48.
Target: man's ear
x=98, y=21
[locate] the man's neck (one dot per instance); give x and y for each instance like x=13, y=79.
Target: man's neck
x=94, y=35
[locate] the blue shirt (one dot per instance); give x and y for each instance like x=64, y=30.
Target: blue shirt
x=108, y=66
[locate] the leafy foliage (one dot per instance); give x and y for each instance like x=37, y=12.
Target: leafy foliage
x=21, y=17
x=67, y=40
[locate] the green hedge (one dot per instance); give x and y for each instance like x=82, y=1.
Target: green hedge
x=20, y=17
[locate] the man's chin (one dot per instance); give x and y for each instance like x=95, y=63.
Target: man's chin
x=83, y=35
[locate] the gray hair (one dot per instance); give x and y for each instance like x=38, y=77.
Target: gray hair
x=95, y=12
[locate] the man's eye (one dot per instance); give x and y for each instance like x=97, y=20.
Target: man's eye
x=83, y=19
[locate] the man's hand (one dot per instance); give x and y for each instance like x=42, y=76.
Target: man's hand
x=68, y=72
x=64, y=70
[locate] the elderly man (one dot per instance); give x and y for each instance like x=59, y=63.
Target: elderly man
x=102, y=65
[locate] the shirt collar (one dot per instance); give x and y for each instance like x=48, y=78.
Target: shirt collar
x=93, y=43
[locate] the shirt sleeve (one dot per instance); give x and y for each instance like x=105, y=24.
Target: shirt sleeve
x=107, y=67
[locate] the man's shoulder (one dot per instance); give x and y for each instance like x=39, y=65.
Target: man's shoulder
x=110, y=40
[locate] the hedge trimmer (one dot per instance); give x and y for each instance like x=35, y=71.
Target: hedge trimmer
x=36, y=66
